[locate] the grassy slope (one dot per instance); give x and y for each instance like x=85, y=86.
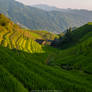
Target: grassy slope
x=79, y=54
x=29, y=72
x=22, y=72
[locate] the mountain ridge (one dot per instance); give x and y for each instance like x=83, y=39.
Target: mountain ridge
x=38, y=19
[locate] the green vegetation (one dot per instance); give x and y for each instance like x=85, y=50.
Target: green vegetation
x=44, y=35
x=26, y=65
x=76, y=51
x=32, y=73
x=14, y=37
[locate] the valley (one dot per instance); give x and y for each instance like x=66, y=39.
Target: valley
x=26, y=65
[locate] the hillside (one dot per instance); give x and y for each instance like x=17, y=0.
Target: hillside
x=23, y=72
x=77, y=51
x=26, y=65
x=37, y=19
x=77, y=36
x=15, y=37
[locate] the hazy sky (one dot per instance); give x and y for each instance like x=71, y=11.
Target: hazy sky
x=79, y=4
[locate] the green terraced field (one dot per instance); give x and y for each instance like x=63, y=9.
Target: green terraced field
x=26, y=65
x=31, y=73
x=14, y=37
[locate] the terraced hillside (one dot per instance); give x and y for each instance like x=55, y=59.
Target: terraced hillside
x=37, y=34
x=23, y=72
x=41, y=69
x=12, y=36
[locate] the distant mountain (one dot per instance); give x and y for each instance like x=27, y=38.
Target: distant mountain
x=38, y=19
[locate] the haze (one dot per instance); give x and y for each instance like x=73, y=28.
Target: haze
x=74, y=4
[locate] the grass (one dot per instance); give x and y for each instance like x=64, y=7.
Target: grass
x=26, y=65
x=78, y=53
x=31, y=71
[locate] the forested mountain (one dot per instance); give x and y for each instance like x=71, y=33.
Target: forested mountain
x=37, y=19
x=27, y=66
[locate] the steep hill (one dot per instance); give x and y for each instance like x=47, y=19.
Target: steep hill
x=37, y=19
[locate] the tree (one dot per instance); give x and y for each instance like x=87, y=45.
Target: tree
x=68, y=35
